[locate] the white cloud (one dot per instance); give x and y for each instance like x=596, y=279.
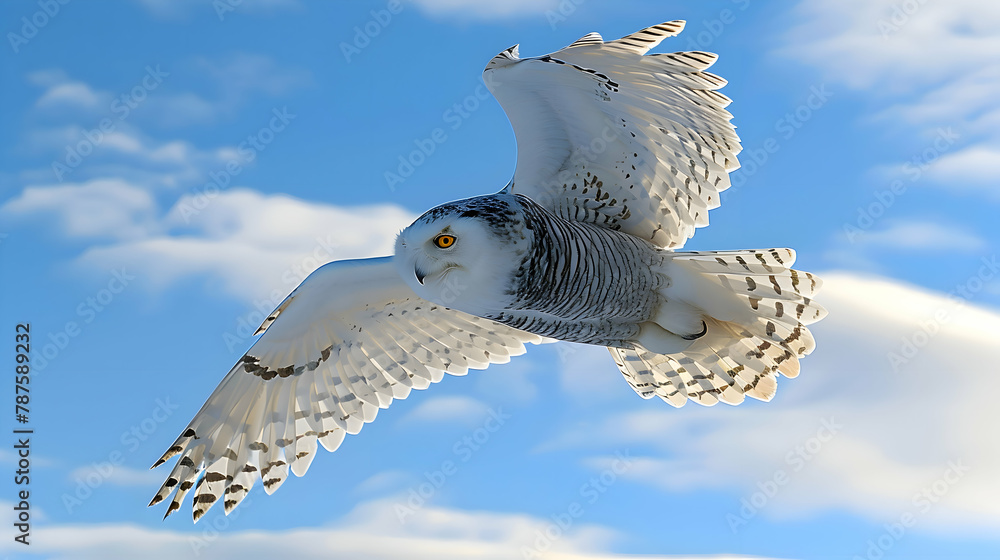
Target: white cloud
x=905, y=372
x=976, y=166
x=71, y=94
x=124, y=153
x=120, y=475
x=370, y=531
x=486, y=10
x=232, y=80
x=241, y=74
x=48, y=77
x=913, y=235
x=455, y=409
x=104, y=208
x=929, y=64
x=875, y=44
x=258, y=246
x=971, y=94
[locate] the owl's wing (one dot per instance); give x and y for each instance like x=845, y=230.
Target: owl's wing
x=346, y=342
x=612, y=136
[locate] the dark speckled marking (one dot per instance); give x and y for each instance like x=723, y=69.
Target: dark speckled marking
x=250, y=365
x=492, y=210
x=214, y=477
x=774, y=283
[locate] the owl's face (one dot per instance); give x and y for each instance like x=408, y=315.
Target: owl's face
x=464, y=254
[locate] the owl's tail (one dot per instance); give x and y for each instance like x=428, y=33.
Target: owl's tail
x=731, y=321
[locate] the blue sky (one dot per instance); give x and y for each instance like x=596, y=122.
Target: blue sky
x=168, y=173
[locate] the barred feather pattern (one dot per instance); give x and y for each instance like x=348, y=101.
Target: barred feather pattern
x=612, y=136
x=582, y=283
x=763, y=336
x=322, y=369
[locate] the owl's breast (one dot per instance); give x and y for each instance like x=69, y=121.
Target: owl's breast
x=582, y=283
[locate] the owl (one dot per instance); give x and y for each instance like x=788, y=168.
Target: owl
x=621, y=154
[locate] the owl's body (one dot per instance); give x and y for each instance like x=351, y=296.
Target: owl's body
x=516, y=263
x=621, y=154
x=562, y=279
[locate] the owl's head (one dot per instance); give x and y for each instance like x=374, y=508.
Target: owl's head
x=464, y=254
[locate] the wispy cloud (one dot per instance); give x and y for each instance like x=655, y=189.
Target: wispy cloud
x=255, y=244
x=121, y=476
x=880, y=45
x=124, y=152
x=370, y=531
x=194, y=91
x=450, y=409
x=975, y=168
x=99, y=209
x=927, y=64
x=71, y=93
x=914, y=235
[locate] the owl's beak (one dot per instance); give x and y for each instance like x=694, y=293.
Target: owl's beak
x=419, y=274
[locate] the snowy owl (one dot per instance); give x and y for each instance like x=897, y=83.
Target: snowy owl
x=620, y=157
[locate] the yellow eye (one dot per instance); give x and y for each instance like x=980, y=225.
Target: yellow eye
x=444, y=241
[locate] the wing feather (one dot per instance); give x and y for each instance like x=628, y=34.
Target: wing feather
x=349, y=340
x=611, y=136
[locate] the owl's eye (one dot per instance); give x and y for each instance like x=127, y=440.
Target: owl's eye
x=444, y=241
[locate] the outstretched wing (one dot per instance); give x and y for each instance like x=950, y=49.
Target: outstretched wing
x=350, y=339
x=609, y=135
